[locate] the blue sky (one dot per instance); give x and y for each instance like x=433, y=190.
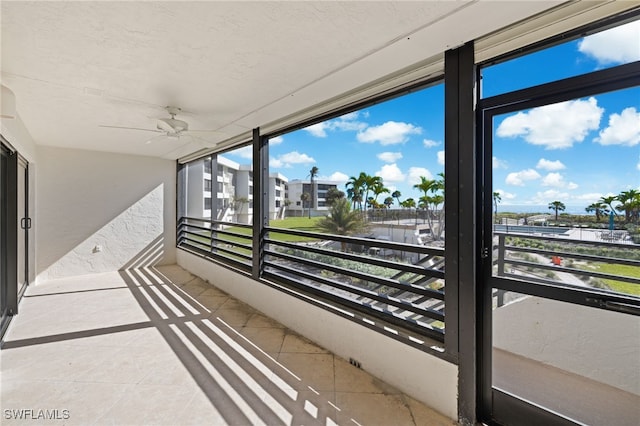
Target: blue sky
x=574, y=152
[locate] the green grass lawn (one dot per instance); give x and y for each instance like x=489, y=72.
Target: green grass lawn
x=297, y=224
x=624, y=270
x=293, y=223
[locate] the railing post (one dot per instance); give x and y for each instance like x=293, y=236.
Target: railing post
x=461, y=241
x=213, y=161
x=501, y=254
x=261, y=204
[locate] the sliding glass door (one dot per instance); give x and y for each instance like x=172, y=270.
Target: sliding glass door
x=15, y=223
x=561, y=285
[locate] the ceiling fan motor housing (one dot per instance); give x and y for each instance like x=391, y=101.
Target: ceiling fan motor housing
x=172, y=125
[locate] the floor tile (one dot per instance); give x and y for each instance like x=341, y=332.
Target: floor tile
x=372, y=409
x=315, y=370
x=161, y=346
x=297, y=344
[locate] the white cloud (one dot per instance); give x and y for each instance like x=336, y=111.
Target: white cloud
x=390, y=157
x=498, y=163
x=557, y=180
x=518, y=178
x=553, y=179
x=339, y=177
x=504, y=195
x=318, y=130
x=591, y=197
x=391, y=173
x=415, y=173
x=614, y=46
x=347, y=122
x=290, y=158
x=441, y=158
x=549, y=196
x=554, y=126
x=428, y=143
x=549, y=165
x=275, y=141
x=623, y=129
x=244, y=152
x=389, y=133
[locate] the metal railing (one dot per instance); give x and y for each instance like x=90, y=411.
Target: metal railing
x=544, y=259
x=229, y=242
x=402, y=285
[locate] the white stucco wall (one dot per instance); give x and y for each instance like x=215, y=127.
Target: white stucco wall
x=424, y=377
x=99, y=212
x=594, y=343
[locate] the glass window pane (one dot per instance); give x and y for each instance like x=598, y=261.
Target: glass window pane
x=367, y=190
x=566, y=185
x=605, y=49
x=580, y=362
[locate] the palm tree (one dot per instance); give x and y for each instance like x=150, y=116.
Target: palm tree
x=332, y=195
x=431, y=203
x=313, y=173
x=372, y=183
x=629, y=202
x=379, y=188
x=305, y=197
x=557, y=206
x=388, y=202
x=607, y=201
x=342, y=220
x=496, y=200
x=355, y=189
x=597, y=208
x=397, y=194
x=425, y=185
x=410, y=203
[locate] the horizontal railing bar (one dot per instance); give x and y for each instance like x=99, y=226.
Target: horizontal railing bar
x=215, y=222
x=386, y=316
x=408, y=306
x=361, y=275
x=218, y=248
x=222, y=243
x=405, y=267
x=204, y=243
x=573, y=271
x=232, y=234
x=564, y=240
x=363, y=241
x=593, y=258
x=181, y=227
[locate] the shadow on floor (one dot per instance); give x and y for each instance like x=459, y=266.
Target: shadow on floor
x=128, y=348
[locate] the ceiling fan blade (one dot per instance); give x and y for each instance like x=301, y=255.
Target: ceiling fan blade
x=206, y=131
x=130, y=128
x=162, y=137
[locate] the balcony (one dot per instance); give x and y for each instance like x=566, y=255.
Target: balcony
x=157, y=345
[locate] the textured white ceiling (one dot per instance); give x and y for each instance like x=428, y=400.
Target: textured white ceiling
x=232, y=66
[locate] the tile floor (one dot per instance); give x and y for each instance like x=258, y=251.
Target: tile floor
x=157, y=346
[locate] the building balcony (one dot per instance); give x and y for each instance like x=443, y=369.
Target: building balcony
x=158, y=345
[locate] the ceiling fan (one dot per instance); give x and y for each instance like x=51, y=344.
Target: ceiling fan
x=171, y=128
